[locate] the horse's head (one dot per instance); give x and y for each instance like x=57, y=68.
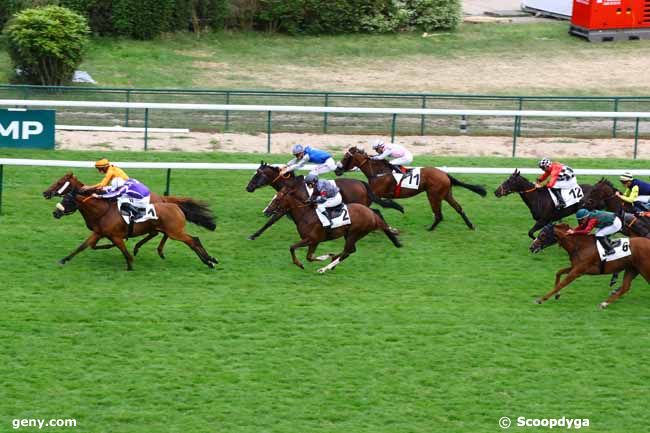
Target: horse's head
x=548, y=236
x=67, y=206
x=62, y=186
x=602, y=191
x=288, y=197
x=515, y=183
x=354, y=157
x=265, y=175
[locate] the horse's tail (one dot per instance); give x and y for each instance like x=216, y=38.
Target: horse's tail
x=478, y=189
x=390, y=232
x=195, y=211
x=381, y=201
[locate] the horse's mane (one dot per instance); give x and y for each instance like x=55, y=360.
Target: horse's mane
x=604, y=181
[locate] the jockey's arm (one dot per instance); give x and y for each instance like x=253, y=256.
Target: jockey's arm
x=114, y=193
x=296, y=164
x=385, y=154
x=630, y=195
x=111, y=173
x=556, y=169
x=585, y=228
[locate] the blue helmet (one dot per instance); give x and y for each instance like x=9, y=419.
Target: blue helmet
x=311, y=178
x=582, y=213
x=297, y=148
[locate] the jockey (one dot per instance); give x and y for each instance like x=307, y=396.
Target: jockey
x=323, y=160
x=400, y=153
x=637, y=192
x=132, y=198
x=326, y=195
x=561, y=177
x=607, y=224
x=113, y=175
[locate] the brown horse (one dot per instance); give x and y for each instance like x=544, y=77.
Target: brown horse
x=363, y=221
x=352, y=190
x=585, y=260
x=435, y=182
x=104, y=220
x=195, y=211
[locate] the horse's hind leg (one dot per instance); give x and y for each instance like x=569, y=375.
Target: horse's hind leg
x=434, y=201
x=143, y=241
x=90, y=241
x=349, y=248
x=302, y=243
x=310, y=254
x=458, y=208
x=195, y=245
x=630, y=274
x=161, y=245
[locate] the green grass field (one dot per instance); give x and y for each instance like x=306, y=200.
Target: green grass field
x=439, y=336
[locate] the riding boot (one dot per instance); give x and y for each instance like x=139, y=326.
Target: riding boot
x=558, y=195
x=606, y=244
x=397, y=169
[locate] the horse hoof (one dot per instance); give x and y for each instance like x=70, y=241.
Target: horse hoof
x=251, y=238
x=210, y=265
x=322, y=270
x=162, y=256
x=603, y=305
x=62, y=262
x=135, y=253
x=538, y=301
x=213, y=260
x=557, y=296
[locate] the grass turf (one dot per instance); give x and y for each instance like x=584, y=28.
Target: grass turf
x=439, y=336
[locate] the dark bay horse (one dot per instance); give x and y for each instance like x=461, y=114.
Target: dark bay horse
x=435, y=182
x=538, y=200
x=363, y=221
x=603, y=196
x=352, y=190
x=585, y=260
x=194, y=210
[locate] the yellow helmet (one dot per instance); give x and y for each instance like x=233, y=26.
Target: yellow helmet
x=102, y=163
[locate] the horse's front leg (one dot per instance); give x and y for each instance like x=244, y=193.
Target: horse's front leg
x=268, y=224
x=91, y=241
x=538, y=225
x=557, y=277
x=630, y=274
x=119, y=242
x=143, y=241
x=302, y=243
x=573, y=274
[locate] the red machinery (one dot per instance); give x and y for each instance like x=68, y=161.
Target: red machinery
x=611, y=20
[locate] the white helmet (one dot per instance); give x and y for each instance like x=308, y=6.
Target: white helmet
x=544, y=163
x=378, y=144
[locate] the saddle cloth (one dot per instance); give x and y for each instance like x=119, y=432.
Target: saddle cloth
x=571, y=196
x=149, y=214
x=409, y=180
x=340, y=217
x=621, y=249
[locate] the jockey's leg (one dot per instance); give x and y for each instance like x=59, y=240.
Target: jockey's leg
x=558, y=195
x=400, y=163
x=603, y=234
x=326, y=167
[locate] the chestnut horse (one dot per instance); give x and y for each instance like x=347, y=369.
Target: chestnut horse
x=352, y=191
x=435, y=182
x=363, y=220
x=585, y=260
x=195, y=211
x=104, y=220
x=538, y=200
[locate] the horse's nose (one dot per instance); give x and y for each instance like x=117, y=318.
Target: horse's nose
x=47, y=195
x=250, y=188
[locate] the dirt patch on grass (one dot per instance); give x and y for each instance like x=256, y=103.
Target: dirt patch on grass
x=282, y=143
x=612, y=73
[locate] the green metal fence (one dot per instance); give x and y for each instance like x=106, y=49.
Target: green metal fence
x=254, y=122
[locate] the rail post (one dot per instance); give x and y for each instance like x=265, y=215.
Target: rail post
x=1, y=170
x=636, y=137
x=126, y=115
x=614, y=126
x=227, y=126
x=146, y=127
x=169, y=175
x=393, y=127
x=424, y=105
x=327, y=100
x=514, y=135
x=268, y=132
x=521, y=107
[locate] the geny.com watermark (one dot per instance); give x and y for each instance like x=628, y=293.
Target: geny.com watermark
x=17, y=423
x=564, y=422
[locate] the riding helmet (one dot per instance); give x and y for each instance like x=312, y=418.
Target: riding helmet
x=297, y=148
x=582, y=213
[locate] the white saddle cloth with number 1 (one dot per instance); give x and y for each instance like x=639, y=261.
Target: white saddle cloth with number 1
x=411, y=180
x=149, y=214
x=621, y=249
x=571, y=196
x=340, y=219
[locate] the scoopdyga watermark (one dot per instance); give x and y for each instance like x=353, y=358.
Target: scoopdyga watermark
x=550, y=423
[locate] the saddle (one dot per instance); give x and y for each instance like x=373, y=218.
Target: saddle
x=335, y=212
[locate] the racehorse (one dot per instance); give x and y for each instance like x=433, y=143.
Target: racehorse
x=352, y=190
x=104, y=220
x=195, y=211
x=435, y=182
x=538, y=200
x=603, y=196
x=585, y=260
x=363, y=220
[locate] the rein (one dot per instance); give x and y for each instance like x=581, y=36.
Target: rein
x=281, y=175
